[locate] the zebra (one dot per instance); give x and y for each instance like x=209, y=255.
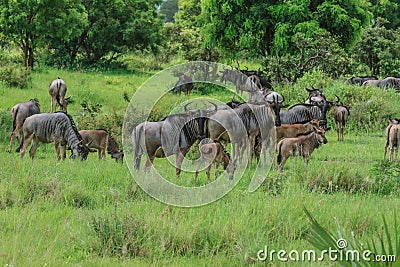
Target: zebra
x=57, y=91
x=19, y=113
x=53, y=127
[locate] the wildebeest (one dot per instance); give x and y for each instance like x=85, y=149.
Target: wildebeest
x=391, y=122
x=53, y=127
x=236, y=77
x=174, y=135
x=361, y=79
x=394, y=139
x=388, y=82
x=294, y=130
x=184, y=84
x=341, y=114
x=300, y=146
x=302, y=113
x=103, y=141
x=233, y=125
x=315, y=95
x=211, y=153
x=19, y=113
x=57, y=91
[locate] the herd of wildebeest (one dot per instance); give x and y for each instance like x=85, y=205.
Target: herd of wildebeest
x=262, y=125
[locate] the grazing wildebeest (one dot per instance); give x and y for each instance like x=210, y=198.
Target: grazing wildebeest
x=388, y=82
x=300, y=146
x=184, y=84
x=57, y=91
x=172, y=136
x=391, y=122
x=341, y=114
x=264, y=81
x=53, y=127
x=361, y=79
x=215, y=153
x=103, y=141
x=19, y=113
x=236, y=77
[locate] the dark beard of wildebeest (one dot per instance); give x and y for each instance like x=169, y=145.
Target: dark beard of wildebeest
x=57, y=91
x=174, y=135
x=361, y=79
x=53, y=127
x=255, y=119
x=19, y=113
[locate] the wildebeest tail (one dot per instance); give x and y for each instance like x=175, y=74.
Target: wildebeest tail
x=138, y=149
x=395, y=140
x=342, y=118
x=279, y=158
x=14, y=114
x=58, y=90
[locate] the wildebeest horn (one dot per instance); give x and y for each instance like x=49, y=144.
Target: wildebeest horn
x=68, y=97
x=215, y=106
x=338, y=99
x=283, y=98
x=185, y=107
x=309, y=90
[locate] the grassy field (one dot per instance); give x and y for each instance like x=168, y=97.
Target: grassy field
x=93, y=213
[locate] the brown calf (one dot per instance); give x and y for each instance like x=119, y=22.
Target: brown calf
x=102, y=141
x=300, y=146
x=341, y=114
x=215, y=153
x=294, y=130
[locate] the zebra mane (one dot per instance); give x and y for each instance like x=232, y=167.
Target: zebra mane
x=73, y=125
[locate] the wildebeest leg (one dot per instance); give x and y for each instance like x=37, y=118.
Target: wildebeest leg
x=251, y=149
x=198, y=168
x=103, y=153
x=25, y=142
x=34, y=146
x=64, y=151
x=179, y=159
x=57, y=147
x=216, y=174
x=149, y=162
x=14, y=134
x=99, y=153
x=280, y=167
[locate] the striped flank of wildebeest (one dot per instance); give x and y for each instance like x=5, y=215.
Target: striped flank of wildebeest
x=53, y=127
x=19, y=113
x=303, y=113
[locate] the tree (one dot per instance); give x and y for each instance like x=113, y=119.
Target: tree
x=169, y=9
x=111, y=28
x=388, y=10
x=379, y=49
x=28, y=23
x=267, y=27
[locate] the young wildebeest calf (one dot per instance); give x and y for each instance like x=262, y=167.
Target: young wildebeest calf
x=19, y=113
x=102, y=141
x=300, y=146
x=341, y=114
x=294, y=130
x=57, y=91
x=215, y=153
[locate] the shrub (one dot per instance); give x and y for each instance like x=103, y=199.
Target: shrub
x=12, y=73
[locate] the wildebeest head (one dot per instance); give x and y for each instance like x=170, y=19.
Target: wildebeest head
x=275, y=102
x=201, y=116
x=118, y=156
x=82, y=149
x=320, y=133
x=315, y=95
x=234, y=103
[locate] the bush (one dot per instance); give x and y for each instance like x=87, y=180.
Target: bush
x=12, y=73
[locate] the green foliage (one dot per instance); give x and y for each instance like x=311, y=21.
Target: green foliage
x=379, y=49
x=386, y=177
x=387, y=243
x=169, y=9
x=318, y=53
x=12, y=72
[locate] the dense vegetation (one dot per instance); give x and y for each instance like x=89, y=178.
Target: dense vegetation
x=93, y=213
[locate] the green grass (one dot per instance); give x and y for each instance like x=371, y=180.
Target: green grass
x=94, y=214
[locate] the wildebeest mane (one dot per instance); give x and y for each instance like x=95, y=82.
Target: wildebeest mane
x=73, y=125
